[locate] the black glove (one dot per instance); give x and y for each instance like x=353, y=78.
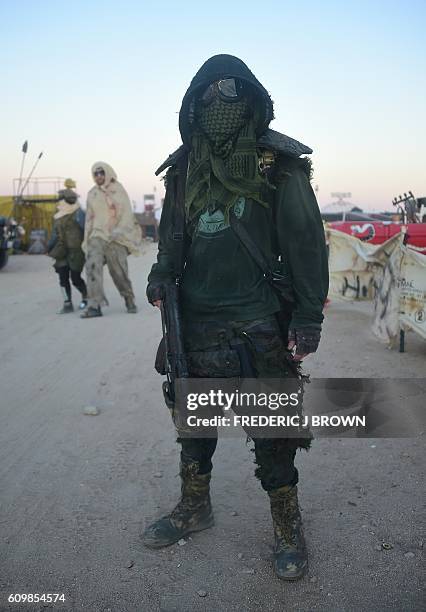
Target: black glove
x=306, y=339
x=154, y=293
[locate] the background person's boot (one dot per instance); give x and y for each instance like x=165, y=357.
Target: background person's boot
x=67, y=307
x=130, y=305
x=290, y=554
x=192, y=513
x=83, y=302
x=91, y=312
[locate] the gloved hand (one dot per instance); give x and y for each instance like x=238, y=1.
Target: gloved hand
x=305, y=339
x=155, y=293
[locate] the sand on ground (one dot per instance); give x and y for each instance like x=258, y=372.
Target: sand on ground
x=76, y=491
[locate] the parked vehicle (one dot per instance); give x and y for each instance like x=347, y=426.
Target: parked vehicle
x=378, y=232
x=411, y=212
x=10, y=235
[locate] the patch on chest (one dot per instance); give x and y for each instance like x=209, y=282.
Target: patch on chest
x=215, y=222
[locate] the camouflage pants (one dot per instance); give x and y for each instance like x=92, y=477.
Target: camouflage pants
x=114, y=255
x=209, y=348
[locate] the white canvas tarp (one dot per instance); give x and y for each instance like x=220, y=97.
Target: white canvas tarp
x=391, y=274
x=400, y=301
x=353, y=264
x=385, y=323
x=412, y=286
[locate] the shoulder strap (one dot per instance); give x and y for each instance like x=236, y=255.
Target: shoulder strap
x=250, y=246
x=279, y=281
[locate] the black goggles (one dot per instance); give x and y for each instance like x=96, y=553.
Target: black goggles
x=228, y=89
x=99, y=172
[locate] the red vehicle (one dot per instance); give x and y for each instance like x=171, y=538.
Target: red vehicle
x=377, y=229
x=378, y=232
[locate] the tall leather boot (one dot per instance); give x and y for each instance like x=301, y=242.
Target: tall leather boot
x=192, y=513
x=290, y=554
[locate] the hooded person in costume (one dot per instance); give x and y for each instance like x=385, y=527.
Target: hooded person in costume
x=111, y=234
x=242, y=178
x=65, y=246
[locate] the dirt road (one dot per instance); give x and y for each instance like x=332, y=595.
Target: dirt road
x=77, y=490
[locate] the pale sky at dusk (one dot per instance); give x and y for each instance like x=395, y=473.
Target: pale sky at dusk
x=104, y=81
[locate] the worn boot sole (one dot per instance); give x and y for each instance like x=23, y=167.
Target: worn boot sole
x=151, y=542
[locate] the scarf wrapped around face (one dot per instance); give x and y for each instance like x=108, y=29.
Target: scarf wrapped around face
x=223, y=162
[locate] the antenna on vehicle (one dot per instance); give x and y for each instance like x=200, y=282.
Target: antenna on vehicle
x=24, y=152
x=30, y=175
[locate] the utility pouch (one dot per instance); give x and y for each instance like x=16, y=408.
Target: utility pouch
x=219, y=363
x=166, y=393
x=160, y=358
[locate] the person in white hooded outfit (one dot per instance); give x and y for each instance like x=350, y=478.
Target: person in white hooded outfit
x=111, y=234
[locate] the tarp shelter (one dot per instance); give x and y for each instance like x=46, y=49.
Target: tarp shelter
x=392, y=274
x=400, y=301
x=353, y=263
x=31, y=215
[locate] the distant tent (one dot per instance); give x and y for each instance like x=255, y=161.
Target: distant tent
x=342, y=206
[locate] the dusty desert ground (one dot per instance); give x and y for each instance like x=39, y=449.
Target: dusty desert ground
x=77, y=490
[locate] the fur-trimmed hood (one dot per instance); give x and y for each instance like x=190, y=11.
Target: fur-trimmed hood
x=110, y=174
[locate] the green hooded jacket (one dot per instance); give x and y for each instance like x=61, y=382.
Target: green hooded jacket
x=221, y=281
x=67, y=237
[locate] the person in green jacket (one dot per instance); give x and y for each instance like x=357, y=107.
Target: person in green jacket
x=240, y=171
x=65, y=247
